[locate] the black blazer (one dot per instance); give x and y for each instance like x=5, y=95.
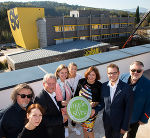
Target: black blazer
x=53, y=116
x=117, y=114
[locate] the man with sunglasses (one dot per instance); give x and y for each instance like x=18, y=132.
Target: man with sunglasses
x=13, y=118
x=140, y=86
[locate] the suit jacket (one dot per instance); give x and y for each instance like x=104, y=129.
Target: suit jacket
x=141, y=103
x=53, y=116
x=117, y=114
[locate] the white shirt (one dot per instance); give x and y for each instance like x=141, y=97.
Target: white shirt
x=53, y=95
x=73, y=82
x=112, y=89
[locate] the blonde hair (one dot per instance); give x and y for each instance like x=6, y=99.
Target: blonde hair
x=72, y=64
x=113, y=66
x=59, y=68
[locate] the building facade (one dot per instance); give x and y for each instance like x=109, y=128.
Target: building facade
x=86, y=25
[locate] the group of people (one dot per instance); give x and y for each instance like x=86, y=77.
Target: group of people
x=124, y=99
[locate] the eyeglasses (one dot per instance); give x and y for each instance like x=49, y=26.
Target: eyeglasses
x=138, y=70
x=112, y=73
x=24, y=96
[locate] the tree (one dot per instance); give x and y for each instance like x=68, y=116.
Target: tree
x=145, y=23
x=137, y=16
x=148, y=18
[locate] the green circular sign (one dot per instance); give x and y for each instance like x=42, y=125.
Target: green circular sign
x=79, y=109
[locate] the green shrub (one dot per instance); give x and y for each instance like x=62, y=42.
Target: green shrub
x=6, y=37
x=3, y=65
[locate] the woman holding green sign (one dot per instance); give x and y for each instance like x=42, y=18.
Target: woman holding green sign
x=73, y=80
x=90, y=88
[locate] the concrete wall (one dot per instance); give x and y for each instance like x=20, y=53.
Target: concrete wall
x=42, y=37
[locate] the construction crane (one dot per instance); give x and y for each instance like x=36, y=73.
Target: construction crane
x=139, y=24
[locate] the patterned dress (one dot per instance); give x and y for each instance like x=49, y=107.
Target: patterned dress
x=92, y=93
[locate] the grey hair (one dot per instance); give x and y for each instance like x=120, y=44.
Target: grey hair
x=137, y=63
x=18, y=88
x=47, y=76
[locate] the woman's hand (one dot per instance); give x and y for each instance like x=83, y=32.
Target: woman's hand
x=93, y=104
x=92, y=113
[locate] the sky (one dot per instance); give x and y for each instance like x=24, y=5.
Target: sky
x=107, y=4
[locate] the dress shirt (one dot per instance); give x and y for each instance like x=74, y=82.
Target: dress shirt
x=112, y=89
x=53, y=95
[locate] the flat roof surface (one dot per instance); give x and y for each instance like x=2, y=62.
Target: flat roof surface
x=54, y=50
x=82, y=62
x=109, y=56
x=136, y=49
x=12, y=78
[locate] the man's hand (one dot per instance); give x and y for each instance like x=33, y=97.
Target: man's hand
x=141, y=123
x=65, y=118
x=64, y=103
x=122, y=131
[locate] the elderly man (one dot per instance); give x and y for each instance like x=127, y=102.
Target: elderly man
x=13, y=118
x=52, y=120
x=140, y=86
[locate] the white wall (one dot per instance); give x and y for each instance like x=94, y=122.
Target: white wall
x=123, y=65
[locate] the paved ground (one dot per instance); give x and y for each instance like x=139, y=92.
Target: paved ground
x=7, y=52
x=143, y=132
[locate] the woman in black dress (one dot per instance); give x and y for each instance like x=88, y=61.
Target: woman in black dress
x=33, y=129
x=90, y=88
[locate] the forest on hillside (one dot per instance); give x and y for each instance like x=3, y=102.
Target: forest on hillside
x=51, y=9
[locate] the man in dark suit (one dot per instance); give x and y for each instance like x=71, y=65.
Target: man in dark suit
x=118, y=98
x=52, y=120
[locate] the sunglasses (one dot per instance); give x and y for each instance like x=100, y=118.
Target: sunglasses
x=138, y=70
x=24, y=96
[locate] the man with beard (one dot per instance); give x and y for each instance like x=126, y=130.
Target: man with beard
x=13, y=118
x=141, y=105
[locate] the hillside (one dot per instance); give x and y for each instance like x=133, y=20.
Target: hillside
x=56, y=9
x=141, y=10
x=51, y=9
